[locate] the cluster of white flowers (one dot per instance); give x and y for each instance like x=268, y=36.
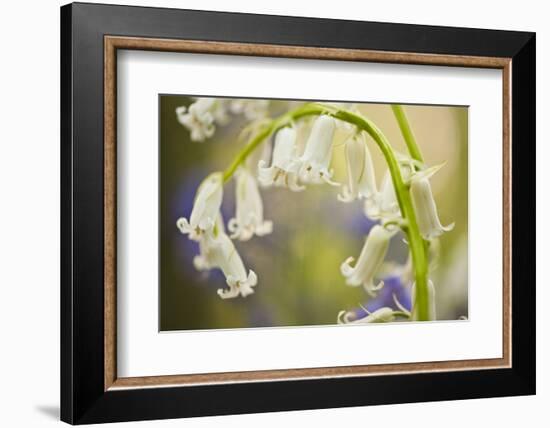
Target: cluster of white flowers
x=286, y=167
x=201, y=117
x=217, y=250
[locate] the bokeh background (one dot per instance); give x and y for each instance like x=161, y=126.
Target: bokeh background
x=299, y=280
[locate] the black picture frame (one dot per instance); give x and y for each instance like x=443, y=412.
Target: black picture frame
x=83, y=396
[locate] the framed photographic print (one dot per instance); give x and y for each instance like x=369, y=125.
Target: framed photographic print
x=265, y=213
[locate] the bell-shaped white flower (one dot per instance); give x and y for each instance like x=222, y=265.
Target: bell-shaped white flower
x=384, y=314
x=317, y=155
x=424, y=204
x=206, y=208
x=225, y=256
x=249, y=218
x=370, y=260
x=360, y=169
x=431, y=299
x=284, y=167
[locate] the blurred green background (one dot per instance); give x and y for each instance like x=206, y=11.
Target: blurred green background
x=298, y=265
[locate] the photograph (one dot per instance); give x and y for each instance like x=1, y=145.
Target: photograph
x=284, y=212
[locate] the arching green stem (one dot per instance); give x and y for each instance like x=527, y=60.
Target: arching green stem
x=416, y=243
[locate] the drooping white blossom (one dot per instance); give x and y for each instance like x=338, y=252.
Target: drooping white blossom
x=206, y=208
x=360, y=169
x=315, y=161
x=424, y=204
x=431, y=299
x=249, y=217
x=384, y=314
x=198, y=118
x=284, y=167
x=226, y=257
x=370, y=260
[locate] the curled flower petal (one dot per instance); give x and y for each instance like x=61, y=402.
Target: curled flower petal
x=239, y=287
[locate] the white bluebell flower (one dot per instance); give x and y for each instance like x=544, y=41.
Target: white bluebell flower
x=360, y=169
x=249, y=217
x=424, y=204
x=315, y=161
x=225, y=256
x=206, y=208
x=284, y=167
x=370, y=260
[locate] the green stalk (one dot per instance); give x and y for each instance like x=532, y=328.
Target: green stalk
x=407, y=133
x=416, y=243
x=414, y=151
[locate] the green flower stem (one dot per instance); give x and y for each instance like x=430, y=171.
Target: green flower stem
x=416, y=243
x=414, y=151
x=407, y=133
